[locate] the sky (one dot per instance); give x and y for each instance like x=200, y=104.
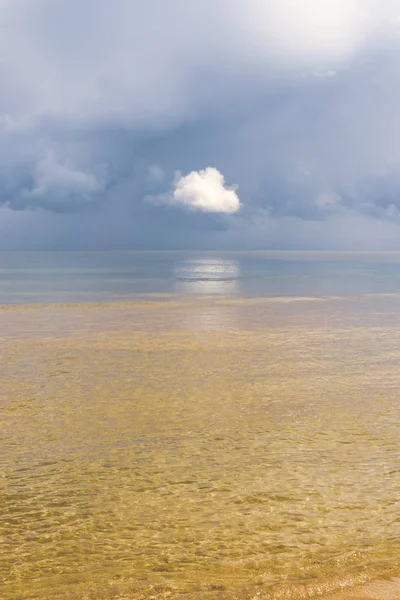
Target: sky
x=227, y=124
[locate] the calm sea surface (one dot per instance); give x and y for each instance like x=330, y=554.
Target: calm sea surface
x=27, y=277
x=238, y=437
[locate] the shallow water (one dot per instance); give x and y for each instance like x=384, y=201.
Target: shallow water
x=212, y=449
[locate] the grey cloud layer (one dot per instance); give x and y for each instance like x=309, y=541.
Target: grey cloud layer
x=296, y=102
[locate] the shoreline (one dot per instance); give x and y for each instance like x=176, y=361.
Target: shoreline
x=379, y=589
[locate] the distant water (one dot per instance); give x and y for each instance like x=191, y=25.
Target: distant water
x=36, y=277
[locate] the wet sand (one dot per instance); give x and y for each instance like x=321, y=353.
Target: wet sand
x=377, y=590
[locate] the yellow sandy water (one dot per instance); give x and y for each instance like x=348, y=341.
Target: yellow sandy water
x=219, y=449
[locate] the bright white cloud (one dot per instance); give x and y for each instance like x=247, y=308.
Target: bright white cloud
x=205, y=191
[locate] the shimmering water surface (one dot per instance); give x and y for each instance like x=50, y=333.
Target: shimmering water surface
x=27, y=277
x=208, y=447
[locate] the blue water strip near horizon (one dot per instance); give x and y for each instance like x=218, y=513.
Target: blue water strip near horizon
x=85, y=276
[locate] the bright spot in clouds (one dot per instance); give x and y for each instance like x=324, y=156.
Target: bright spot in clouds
x=205, y=190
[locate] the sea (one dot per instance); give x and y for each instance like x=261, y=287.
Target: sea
x=199, y=425
x=47, y=277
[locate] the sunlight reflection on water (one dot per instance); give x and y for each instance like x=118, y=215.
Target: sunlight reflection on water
x=207, y=276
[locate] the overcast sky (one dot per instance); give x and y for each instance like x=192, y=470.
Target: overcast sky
x=200, y=124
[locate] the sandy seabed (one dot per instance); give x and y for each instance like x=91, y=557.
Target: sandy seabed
x=211, y=449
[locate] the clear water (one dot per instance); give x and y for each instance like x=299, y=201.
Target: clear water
x=31, y=277
x=219, y=445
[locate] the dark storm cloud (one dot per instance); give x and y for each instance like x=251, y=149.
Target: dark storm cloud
x=296, y=103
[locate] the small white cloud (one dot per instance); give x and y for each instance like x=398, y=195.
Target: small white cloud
x=205, y=191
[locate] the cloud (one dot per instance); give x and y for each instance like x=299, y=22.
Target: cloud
x=205, y=191
x=313, y=31
x=151, y=62
x=295, y=100
x=60, y=184
x=328, y=201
